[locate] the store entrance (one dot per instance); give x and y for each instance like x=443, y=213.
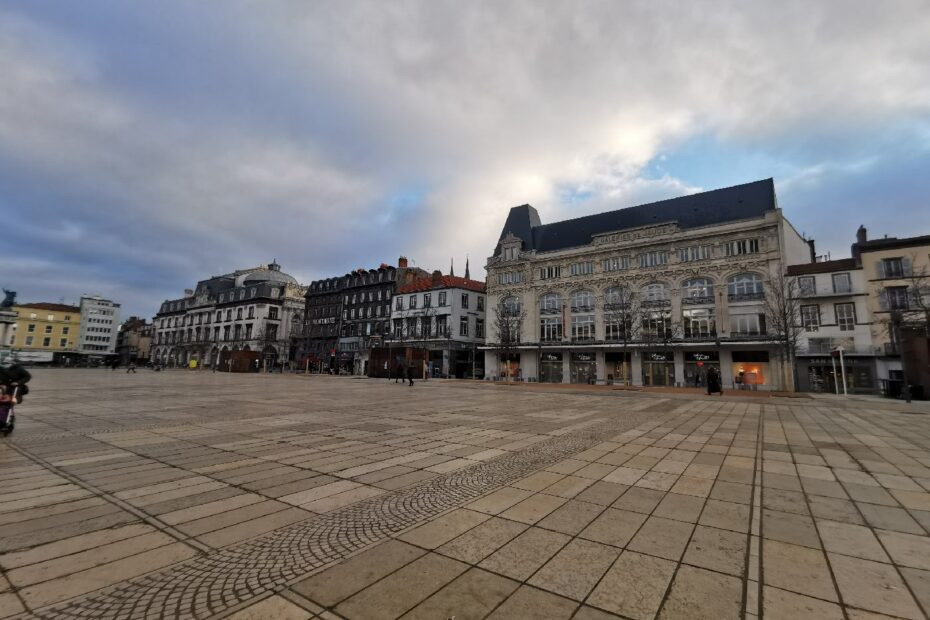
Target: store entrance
x=658, y=368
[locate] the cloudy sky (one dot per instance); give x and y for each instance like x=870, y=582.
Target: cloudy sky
x=146, y=145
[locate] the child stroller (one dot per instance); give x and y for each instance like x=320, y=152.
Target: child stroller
x=7, y=403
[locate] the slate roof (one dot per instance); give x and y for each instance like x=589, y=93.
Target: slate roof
x=49, y=306
x=889, y=243
x=750, y=200
x=827, y=266
x=428, y=284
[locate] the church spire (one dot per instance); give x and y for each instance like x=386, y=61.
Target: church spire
x=467, y=275
x=452, y=266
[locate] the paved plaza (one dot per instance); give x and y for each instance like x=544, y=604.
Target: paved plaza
x=199, y=495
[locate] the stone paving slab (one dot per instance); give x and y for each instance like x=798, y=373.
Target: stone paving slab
x=193, y=494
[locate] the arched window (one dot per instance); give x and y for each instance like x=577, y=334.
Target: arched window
x=582, y=301
x=748, y=285
x=511, y=305
x=655, y=292
x=617, y=296
x=550, y=303
x=697, y=288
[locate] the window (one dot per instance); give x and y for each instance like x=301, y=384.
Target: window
x=698, y=323
x=810, y=318
x=583, y=327
x=616, y=263
x=895, y=298
x=697, y=288
x=63, y=343
x=550, y=273
x=427, y=300
x=48, y=329
x=480, y=303
x=238, y=314
x=273, y=312
x=842, y=283
x=653, y=259
x=399, y=303
x=479, y=328
x=31, y=328
x=51, y=317
x=807, y=286
x=510, y=253
x=511, y=306
x=441, y=325
x=67, y=317
x=655, y=292
x=694, y=252
x=219, y=316
x=510, y=277
x=747, y=325
x=229, y=315
x=846, y=317
x=550, y=303
x=46, y=342
x=29, y=340
x=746, y=285
x=463, y=326
x=33, y=315
x=583, y=301
x=251, y=312
x=465, y=300
x=442, y=299
x=581, y=269
x=742, y=246
x=893, y=268
x=550, y=329
x=657, y=324
x=272, y=332
x=413, y=302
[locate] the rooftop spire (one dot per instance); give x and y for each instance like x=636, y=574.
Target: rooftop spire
x=467, y=275
x=452, y=266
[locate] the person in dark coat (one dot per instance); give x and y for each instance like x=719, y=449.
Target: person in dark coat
x=410, y=373
x=713, y=381
x=14, y=377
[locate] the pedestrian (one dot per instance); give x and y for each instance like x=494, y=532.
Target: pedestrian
x=410, y=373
x=714, y=384
x=131, y=368
x=399, y=372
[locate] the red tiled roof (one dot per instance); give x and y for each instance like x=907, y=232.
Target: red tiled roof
x=48, y=306
x=428, y=284
x=828, y=266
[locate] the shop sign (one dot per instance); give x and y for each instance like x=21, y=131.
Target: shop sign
x=661, y=356
x=711, y=356
x=552, y=357
x=582, y=357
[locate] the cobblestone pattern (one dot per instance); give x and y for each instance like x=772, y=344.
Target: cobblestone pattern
x=210, y=584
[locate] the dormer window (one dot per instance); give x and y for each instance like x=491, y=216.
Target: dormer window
x=510, y=247
x=510, y=253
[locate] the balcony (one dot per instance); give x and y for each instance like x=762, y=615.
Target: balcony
x=826, y=348
x=747, y=335
x=825, y=291
x=582, y=339
x=756, y=296
x=582, y=309
x=700, y=335
x=656, y=303
x=550, y=311
x=696, y=301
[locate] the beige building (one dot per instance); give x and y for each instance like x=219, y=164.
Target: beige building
x=652, y=295
x=897, y=273
x=44, y=329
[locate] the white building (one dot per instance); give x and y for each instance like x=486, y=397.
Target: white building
x=695, y=269
x=99, y=326
x=834, y=313
x=443, y=318
x=250, y=310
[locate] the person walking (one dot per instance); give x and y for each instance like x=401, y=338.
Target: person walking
x=410, y=373
x=131, y=368
x=714, y=384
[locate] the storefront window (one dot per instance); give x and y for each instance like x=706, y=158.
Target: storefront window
x=750, y=369
x=617, y=367
x=550, y=368
x=583, y=368
x=697, y=365
x=658, y=368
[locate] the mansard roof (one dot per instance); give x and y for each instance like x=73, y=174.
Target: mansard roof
x=432, y=283
x=719, y=206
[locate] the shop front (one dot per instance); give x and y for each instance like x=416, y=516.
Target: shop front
x=583, y=368
x=698, y=364
x=618, y=367
x=658, y=368
x=550, y=367
x=817, y=374
x=751, y=370
x=510, y=366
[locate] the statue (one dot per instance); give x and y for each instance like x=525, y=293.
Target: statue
x=9, y=299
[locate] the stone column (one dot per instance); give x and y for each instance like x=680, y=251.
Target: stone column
x=601, y=367
x=679, y=357
x=636, y=367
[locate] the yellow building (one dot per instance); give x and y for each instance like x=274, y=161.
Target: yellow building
x=44, y=328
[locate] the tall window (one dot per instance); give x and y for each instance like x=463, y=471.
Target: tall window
x=893, y=268
x=479, y=328
x=463, y=326
x=465, y=300
x=273, y=312
x=747, y=324
x=698, y=322
x=655, y=292
x=697, y=288
x=427, y=300
x=581, y=269
x=583, y=301
x=480, y=303
x=551, y=272
x=694, y=252
x=510, y=277
x=810, y=318
x=747, y=285
x=657, y=324
x=896, y=298
x=511, y=306
x=846, y=317
x=653, y=259
x=550, y=329
x=582, y=327
x=616, y=263
x=399, y=302
x=511, y=253
x=413, y=302
x=842, y=283
x=442, y=299
x=741, y=246
x=807, y=286
x=550, y=303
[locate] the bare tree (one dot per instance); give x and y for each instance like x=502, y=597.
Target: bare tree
x=656, y=325
x=622, y=318
x=782, y=307
x=509, y=315
x=913, y=304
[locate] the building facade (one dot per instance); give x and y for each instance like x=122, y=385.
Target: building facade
x=897, y=273
x=348, y=315
x=134, y=342
x=444, y=319
x=44, y=332
x=650, y=295
x=834, y=315
x=249, y=311
x=99, y=327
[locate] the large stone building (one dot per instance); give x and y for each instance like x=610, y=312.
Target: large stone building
x=99, y=327
x=134, y=342
x=250, y=310
x=348, y=315
x=654, y=294
x=44, y=332
x=443, y=319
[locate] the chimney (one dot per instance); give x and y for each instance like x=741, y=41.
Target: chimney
x=188, y=292
x=861, y=236
x=402, y=262
x=437, y=277
x=810, y=244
